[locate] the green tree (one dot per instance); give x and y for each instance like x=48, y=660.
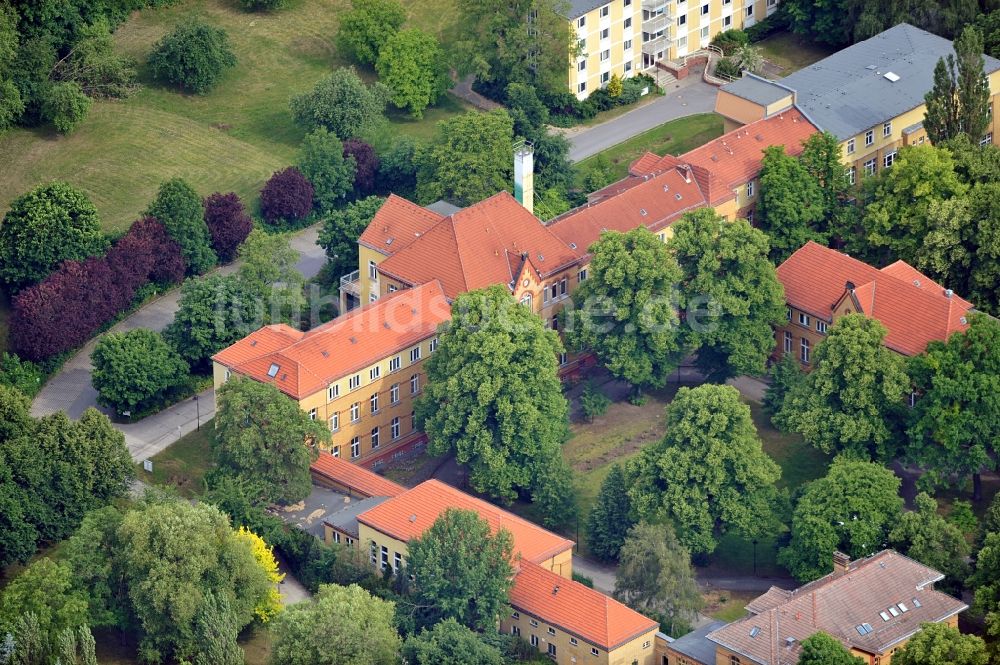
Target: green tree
x=194, y=56
x=412, y=65
x=24, y=375
x=397, y=168
x=986, y=582
x=725, y=268
x=989, y=25
x=851, y=509
x=785, y=374
x=955, y=425
x=749, y=58
x=48, y=225
x=611, y=517
x=66, y=106
x=77, y=647
x=321, y=160
x=134, y=369
x=852, y=400
x=367, y=27
x=940, y=644
x=593, y=401
x=735, y=491
x=469, y=159
x=790, y=204
x=821, y=159
x=655, y=576
x=215, y=629
x=959, y=101
x=340, y=231
x=941, y=113
x=461, y=571
x=340, y=626
x=11, y=104
x=450, y=643
x=341, y=103
x=178, y=207
x=261, y=433
x=45, y=589
x=96, y=67
x=932, y=540
x=625, y=311
x=494, y=397
x=821, y=649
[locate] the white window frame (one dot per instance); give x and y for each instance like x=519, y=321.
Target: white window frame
x=804, y=320
x=335, y=422
x=373, y=402
x=869, y=137
x=394, y=393
x=887, y=129
x=851, y=146
x=394, y=428
x=414, y=384
x=415, y=354
x=804, y=351
x=356, y=447
x=789, y=340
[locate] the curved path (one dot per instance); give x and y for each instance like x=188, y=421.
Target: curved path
x=70, y=389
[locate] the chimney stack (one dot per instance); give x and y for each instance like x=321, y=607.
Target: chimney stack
x=524, y=177
x=841, y=562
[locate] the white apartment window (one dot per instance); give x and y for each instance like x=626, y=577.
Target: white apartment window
x=374, y=372
x=627, y=45
x=312, y=414
x=788, y=313
x=581, y=66
x=750, y=189
x=749, y=10
x=385, y=557
x=333, y=392
x=581, y=87
x=582, y=21
x=821, y=326
x=593, y=651
x=414, y=354
x=605, y=33
x=552, y=649
x=645, y=645
x=335, y=451
x=356, y=412
x=605, y=10
x=526, y=300
x=869, y=137
x=805, y=350
x=414, y=384
x=563, y=358
x=605, y=77
x=354, y=381
x=229, y=374
x=573, y=641
x=704, y=10
x=394, y=364
x=628, y=65
x=749, y=216
x=682, y=42
x=727, y=20
x=889, y=158
x=335, y=422
x=393, y=288
x=788, y=342
x=582, y=275
x=413, y=421
x=372, y=552
x=627, y=3
x=851, y=174
x=375, y=438
x=397, y=562
x=555, y=322
x=772, y=3
x=583, y=43
x=870, y=167
x=803, y=319
x=628, y=23
x=986, y=140
x=605, y=55
x=394, y=428
x=372, y=297
x=850, y=146
x=682, y=20
x=432, y=346
x=887, y=128
x=514, y=630
x=394, y=393
x=374, y=403
x=336, y=537
x=704, y=32
x=534, y=640
x=552, y=631
x=515, y=615
x=372, y=270
x=356, y=447
x=534, y=624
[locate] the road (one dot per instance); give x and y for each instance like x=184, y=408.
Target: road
x=70, y=390
x=686, y=97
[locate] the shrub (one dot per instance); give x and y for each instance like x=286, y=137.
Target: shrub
x=180, y=210
x=23, y=375
x=65, y=106
x=45, y=227
x=593, y=402
x=342, y=103
x=135, y=368
x=632, y=90
x=322, y=161
x=413, y=66
x=228, y=224
x=11, y=105
x=615, y=86
x=146, y=253
x=728, y=67
x=730, y=40
x=341, y=230
x=367, y=26
x=194, y=56
x=397, y=168
x=365, y=165
x=263, y=5
x=287, y=196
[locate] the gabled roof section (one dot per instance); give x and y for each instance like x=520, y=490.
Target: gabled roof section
x=839, y=604
x=756, y=89
x=411, y=513
x=355, y=478
x=397, y=224
x=577, y=609
x=299, y=364
x=735, y=157
x=471, y=249
x=915, y=310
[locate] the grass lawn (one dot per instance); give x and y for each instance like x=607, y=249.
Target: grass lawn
x=674, y=137
x=184, y=464
x=726, y=606
x=790, y=52
x=230, y=139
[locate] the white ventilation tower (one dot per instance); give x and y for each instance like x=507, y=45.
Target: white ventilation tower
x=524, y=174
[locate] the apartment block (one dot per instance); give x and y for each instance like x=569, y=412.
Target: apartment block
x=626, y=37
x=869, y=95
x=358, y=374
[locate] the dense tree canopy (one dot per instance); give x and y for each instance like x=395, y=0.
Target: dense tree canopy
x=790, y=207
x=179, y=208
x=468, y=160
x=262, y=434
x=134, y=369
x=340, y=232
x=735, y=490
x=366, y=165
x=959, y=102
x=322, y=161
x=851, y=509
x=228, y=224
x=287, y=196
x=460, y=570
x=450, y=643
x=342, y=103
x=926, y=536
x=941, y=644
x=655, y=576
x=732, y=296
x=45, y=588
x=43, y=228
x=367, y=26
x=821, y=649
x=194, y=56
x=494, y=398
x=852, y=398
x=626, y=310
x=986, y=582
x=610, y=519
x=412, y=65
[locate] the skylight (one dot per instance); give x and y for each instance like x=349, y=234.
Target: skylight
x=891, y=76
x=863, y=629
x=884, y=615
x=272, y=371
x=893, y=611
x=755, y=631
x=903, y=607
x=916, y=603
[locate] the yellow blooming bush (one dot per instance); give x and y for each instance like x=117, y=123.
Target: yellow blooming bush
x=271, y=604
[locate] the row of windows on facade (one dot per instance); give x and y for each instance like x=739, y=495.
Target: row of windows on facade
x=394, y=432
x=889, y=159
x=375, y=373
x=379, y=556
x=887, y=132
x=516, y=631
x=605, y=11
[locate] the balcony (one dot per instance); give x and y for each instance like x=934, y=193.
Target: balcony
x=656, y=45
x=351, y=283
x=656, y=23
x=654, y=5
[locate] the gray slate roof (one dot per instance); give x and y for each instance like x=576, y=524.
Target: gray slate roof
x=756, y=89
x=346, y=519
x=443, y=208
x=578, y=8
x=696, y=646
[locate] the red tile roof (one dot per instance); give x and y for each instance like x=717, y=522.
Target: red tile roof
x=655, y=200
x=397, y=224
x=735, y=158
x=476, y=247
x=713, y=189
x=837, y=604
x=914, y=309
x=577, y=609
x=411, y=513
x=356, y=478
x=310, y=361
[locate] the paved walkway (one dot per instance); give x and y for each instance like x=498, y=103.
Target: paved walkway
x=70, y=390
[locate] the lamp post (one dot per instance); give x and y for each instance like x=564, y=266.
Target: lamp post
x=197, y=405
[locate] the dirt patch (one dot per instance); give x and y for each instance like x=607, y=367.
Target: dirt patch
x=222, y=126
